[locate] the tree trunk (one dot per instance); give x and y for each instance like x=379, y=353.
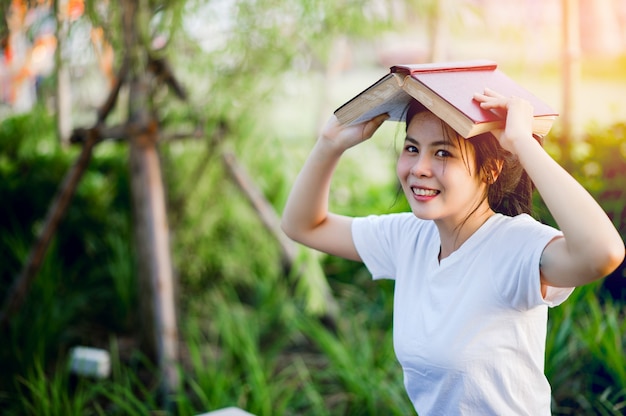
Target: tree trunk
x=155, y=274
x=599, y=28
x=63, y=86
x=156, y=282
x=437, y=31
x=571, y=74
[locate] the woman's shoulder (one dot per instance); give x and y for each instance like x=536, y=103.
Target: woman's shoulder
x=402, y=225
x=519, y=221
x=403, y=220
x=521, y=226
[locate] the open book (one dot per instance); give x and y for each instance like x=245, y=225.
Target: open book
x=447, y=90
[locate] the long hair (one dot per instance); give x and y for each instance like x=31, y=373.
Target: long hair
x=511, y=192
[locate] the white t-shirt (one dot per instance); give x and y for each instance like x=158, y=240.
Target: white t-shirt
x=470, y=331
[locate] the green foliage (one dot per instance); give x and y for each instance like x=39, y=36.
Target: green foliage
x=359, y=374
x=249, y=338
x=87, y=273
x=363, y=370
x=601, y=167
x=50, y=396
x=585, y=358
x=586, y=345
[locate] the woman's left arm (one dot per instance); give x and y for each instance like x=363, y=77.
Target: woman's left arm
x=591, y=247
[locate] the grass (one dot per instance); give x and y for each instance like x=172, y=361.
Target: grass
x=53, y=395
x=274, y=359
x=585, y=360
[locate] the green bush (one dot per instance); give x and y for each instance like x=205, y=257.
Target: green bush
x=85, y=288
x=602, y=169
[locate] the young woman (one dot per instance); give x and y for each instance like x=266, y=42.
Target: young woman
x=474, y=273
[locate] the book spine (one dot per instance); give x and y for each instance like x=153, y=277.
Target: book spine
x=448, y=67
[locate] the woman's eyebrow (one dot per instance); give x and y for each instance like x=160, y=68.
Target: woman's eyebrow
x=433, y=144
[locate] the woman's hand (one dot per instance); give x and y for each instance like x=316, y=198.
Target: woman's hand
x=517, y=112
x=344, y=136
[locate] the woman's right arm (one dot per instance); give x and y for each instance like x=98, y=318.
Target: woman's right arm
x=306, y=218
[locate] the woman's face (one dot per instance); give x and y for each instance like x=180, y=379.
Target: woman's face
x=437, y=172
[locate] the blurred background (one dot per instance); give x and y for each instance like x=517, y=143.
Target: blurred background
x=146, y=151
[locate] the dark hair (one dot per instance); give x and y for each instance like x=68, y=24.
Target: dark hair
x=511, y=192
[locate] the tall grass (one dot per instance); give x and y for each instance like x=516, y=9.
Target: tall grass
x=586, y=359
x=39, y=394
x=234, y=357
x=361, y=368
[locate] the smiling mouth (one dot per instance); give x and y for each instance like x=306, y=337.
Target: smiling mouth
x=424, y=192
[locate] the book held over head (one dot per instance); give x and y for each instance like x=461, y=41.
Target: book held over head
x=447, y=90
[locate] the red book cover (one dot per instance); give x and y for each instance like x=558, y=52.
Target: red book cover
x=457, y=83
x=447, y=89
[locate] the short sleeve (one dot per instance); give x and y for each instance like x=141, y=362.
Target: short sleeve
x=372, y=242
x=523, y=242
x=557, y=295
x=381, y=240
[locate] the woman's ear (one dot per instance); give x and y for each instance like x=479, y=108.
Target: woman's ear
x=491, y=170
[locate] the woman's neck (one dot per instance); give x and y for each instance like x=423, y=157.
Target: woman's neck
x=454, y=234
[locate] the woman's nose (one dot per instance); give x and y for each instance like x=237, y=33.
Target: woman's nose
x=422, y=167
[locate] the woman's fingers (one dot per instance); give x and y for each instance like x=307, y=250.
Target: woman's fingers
x=371, y=126
x=346, y=136
x=491, y=93
x=517, y=112
x=490, y=100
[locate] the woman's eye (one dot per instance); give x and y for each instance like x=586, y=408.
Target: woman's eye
x=443, y=153
x=411, y=149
